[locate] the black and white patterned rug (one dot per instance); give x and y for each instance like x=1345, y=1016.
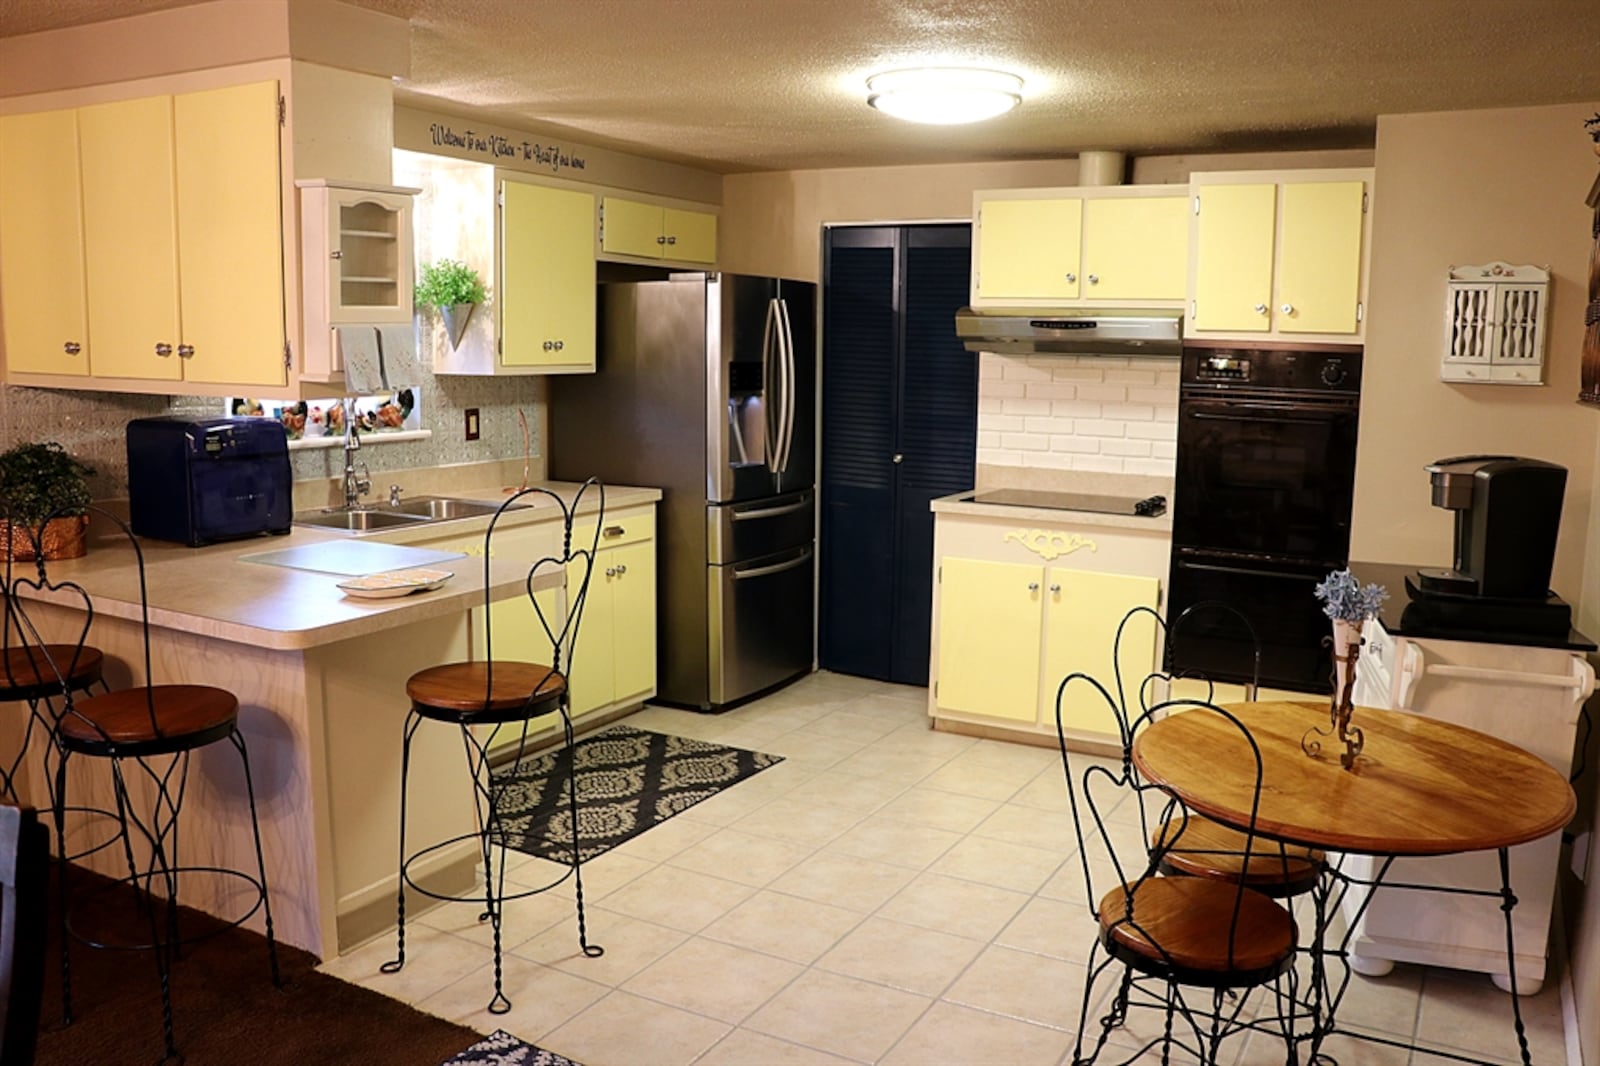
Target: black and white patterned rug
x=500, y=1048
x=628, y=780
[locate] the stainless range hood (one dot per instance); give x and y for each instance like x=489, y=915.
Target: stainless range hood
x=1078, y=331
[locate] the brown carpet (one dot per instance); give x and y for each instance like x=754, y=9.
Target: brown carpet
x=225, y=1008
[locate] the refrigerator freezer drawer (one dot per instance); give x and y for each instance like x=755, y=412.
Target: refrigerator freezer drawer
x=736, y=532
x=761, y=623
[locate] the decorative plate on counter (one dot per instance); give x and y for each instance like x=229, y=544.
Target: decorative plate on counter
x=395, y=583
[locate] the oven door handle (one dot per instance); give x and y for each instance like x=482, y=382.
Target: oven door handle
x=1272, y=414
x=1247, y=571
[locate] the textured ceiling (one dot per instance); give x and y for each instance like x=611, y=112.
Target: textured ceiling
x=736, y=85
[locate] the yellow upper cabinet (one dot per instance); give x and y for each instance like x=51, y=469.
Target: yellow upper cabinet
x=546, y=294
x=167, y=212
x=636, y=229
x=1280, y=253
x=43, y=307
x=1120, y=245
x=1027, y=249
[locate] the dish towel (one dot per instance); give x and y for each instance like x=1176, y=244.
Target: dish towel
x=378, y=358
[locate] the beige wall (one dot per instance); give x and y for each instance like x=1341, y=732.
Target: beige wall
x=1470, y=187
x=1582, y=902
x=772, y=222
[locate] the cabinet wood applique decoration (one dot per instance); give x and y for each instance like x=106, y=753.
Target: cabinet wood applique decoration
x=1591, y=315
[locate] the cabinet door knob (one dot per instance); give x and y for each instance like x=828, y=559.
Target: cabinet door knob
x=1261, y=309
x=336, y=254
x=1072, y=277
x=1033, y=586
x=1287, y=309
x=672, y=240
x=549, y=346
x=661, y=240
x=186, y=350
x=1094, y=279
x=1055, y=589
x=898, y=458
x=560, y=345
x=163, y=348
x=622, y=568
x=611, y=571
x=72, y=347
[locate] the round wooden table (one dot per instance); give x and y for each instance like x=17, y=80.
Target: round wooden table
x=1419, y=787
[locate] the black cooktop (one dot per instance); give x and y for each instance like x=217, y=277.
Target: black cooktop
x=1148, y=507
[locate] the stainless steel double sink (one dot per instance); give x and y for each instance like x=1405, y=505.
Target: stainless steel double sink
x=418, y=510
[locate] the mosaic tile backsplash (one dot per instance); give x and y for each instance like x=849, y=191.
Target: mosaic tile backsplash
x=90, y=425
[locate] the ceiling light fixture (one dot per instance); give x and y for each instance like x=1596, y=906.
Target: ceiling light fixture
x=944, y=96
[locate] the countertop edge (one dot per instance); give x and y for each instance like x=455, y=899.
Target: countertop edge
x=961, y=503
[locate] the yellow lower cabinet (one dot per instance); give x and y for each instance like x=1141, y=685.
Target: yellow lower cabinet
x=1083, y=613
x=989, y=627
x=616, y=641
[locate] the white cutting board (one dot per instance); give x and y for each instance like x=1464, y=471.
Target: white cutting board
x=351, y=558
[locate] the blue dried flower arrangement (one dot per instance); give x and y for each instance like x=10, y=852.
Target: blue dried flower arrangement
x=1345, y=599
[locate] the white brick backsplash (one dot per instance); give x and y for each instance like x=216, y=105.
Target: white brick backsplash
x=988, y=405
x=1167, y=377
x=1015, y=371
x=1164, y=449
x=1103, y=393
x=1136, y=448
x=1130, y=412
x=1048, y=425
x=1075, y=409
x=1079, y=373
x=1021, y=406
x=990, y=366
x=1167, y=414
x=1053, y=390
x=1058, y=462
x=1001, y=423
x=1131, y=377
x=988, y=439
x=1025, y=442
x=1073, y=443
x=999, y=457
x=1154, y=467
x=1102, y=427
x=1156, y=394
x=1166, y=431
x=1004, y=390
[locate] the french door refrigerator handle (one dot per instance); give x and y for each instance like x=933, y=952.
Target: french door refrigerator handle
x=776, y=568
x=772, y=512
x=768, y=429
x=786, y=349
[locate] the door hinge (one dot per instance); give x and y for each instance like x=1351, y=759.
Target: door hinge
x=1361, y=312
x=1197, y=203
x=288, y=356
x=499, y=346
x=939, y=574
x=283, y=110
x=936, y=690
x=1364, y=202
x=1194, y=310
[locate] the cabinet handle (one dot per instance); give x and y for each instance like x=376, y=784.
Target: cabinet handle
x=622, y=568
x=898, y=458
x=611, y=571
x=560, y=345
x=661, y=240
x=549, y=346
x=1094, y=279
x=613, y=531
x=1261, y=309
x=1033, y=586
x=72, y=347
x=1072, y=277
x=336, y=254
x=163, y=348
x=1056, y=589
x=672, y=240
x=1287, y=309
x=186, y=350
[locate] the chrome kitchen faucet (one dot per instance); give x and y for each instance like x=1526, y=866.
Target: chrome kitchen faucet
x=354, y=486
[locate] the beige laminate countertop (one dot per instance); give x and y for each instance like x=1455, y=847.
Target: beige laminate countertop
x=210, y=592
x=961, y=503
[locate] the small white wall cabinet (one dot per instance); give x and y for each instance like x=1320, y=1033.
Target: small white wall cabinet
x=1495, y=324
x=356, y=263
x=1106, y=246
x=1279, y=254
x=1020, y=605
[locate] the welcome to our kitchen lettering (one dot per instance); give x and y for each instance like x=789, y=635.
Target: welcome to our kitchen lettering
x=497, y=147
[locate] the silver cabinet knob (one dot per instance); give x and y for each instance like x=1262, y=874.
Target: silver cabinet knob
x=186, y=350
x=1033, y=586
x=163, y=348
x=1261, y=309
x=1094, y=279
x=1287, y=309
x=1072, y=277
x=898, y=458
x=661, y=240
x=72, y=347
x=549, y=346
x=1056, y=589
x=336, y=254
x=611, y=571
x=622, y=568
x=560, y=345
x=672, y=240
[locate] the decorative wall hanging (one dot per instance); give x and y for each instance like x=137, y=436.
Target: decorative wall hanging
x=1495, y=324
x=1590, y=393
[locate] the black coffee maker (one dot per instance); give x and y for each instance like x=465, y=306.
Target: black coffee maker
x=1507, y=515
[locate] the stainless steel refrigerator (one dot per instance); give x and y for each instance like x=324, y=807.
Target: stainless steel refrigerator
x=706, y=389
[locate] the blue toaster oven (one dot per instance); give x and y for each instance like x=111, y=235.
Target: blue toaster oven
x=198, y=481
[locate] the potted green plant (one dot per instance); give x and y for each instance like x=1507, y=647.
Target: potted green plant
x=44, y=501
x=455, y=289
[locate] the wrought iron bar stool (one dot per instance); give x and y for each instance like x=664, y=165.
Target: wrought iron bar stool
x=496, y=693
x=146, y=733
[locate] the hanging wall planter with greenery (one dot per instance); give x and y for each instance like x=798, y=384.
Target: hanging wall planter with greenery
x=44, y=501
x=455, y=289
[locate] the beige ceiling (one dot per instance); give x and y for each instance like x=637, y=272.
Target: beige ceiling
x=736, y=85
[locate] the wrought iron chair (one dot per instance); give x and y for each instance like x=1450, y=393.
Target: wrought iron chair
x=496, y=693
x=1209, y=849
x=1173, y=938
x=24, y=877
x=147, y=733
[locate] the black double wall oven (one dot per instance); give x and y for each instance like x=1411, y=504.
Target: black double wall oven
x=1266, y=456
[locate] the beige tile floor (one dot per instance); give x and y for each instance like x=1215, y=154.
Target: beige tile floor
x=886, y=894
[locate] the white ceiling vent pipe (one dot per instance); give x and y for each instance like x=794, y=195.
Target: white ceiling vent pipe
x=1102, y=168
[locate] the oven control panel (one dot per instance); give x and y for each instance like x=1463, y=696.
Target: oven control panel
x=1330, y=369
x=1223, y=368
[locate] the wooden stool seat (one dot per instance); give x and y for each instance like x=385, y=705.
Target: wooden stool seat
x=30, y=673
x=119, y=723
x=460, y=692
x=1187, y=922
x=1204, y=848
